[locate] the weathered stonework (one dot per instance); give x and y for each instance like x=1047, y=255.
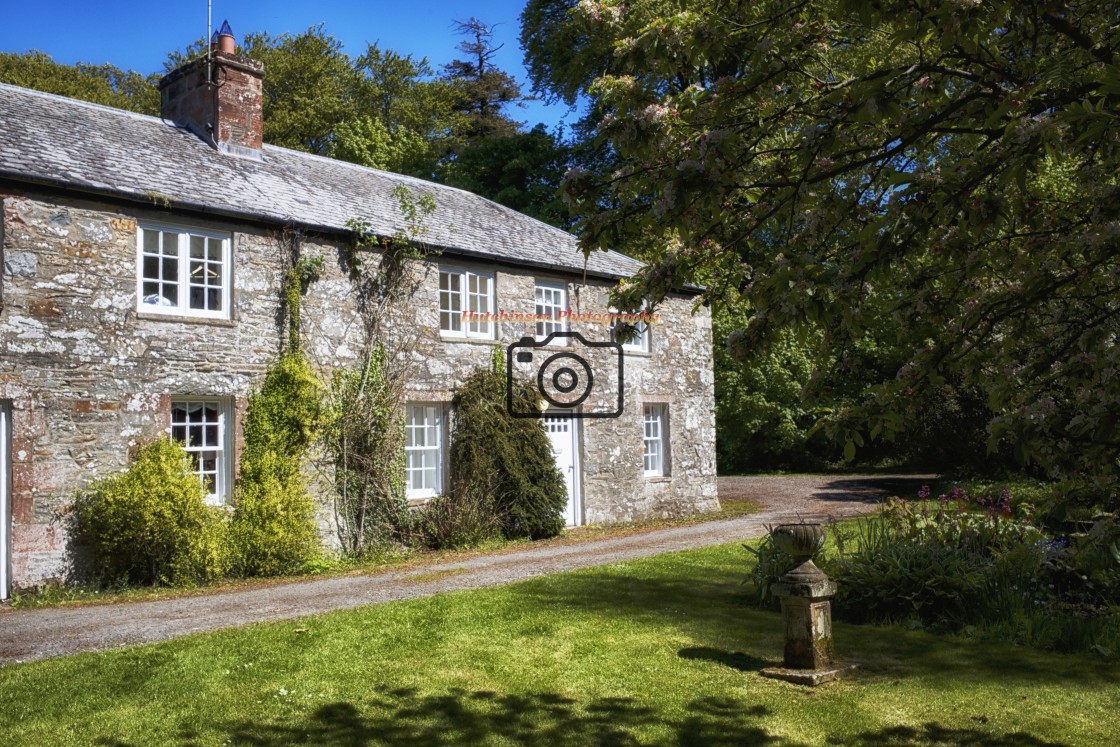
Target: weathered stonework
x=89, y=377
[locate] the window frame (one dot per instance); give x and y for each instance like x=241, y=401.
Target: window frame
x=643, y=344
x=183, y=285
x=464, y=293
x=440, y=448
x=223, y=475
x=656, y=413
x=561, y=325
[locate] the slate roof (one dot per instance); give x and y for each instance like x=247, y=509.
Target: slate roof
x=60, y=142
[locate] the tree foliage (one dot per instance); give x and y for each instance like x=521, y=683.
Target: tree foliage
x=522, y=171
x=99, y=84
x=381, y=109
x=942, y=172
x=762, y=418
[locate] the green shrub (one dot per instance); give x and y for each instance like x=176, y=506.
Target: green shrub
x=972, y=565
x=509, y=457
x=273, y=531
x=987, y=526
x=771, y=563
x=463, y=519
x=150, y=525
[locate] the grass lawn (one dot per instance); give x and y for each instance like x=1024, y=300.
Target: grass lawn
x=660, y=651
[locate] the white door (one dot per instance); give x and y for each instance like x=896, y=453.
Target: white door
x=5, y=506
x=562, y=434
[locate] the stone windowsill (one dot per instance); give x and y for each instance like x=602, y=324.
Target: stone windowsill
x=178, y=319
x=662, y=479
x=445, y=337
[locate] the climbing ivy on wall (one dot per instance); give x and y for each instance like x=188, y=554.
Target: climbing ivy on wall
x=365, y=439
x=304, y=271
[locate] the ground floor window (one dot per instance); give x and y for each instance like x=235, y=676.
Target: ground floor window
x=655, y=422
x=201, y=426
x=424, y=452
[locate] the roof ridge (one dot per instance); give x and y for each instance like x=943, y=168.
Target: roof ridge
x=304, y=154
x=79, y=102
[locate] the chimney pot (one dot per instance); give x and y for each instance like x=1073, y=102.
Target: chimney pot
x=226, y=42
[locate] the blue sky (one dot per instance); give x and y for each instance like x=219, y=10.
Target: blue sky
x=138, y=35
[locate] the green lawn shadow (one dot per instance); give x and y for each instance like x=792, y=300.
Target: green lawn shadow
x=395, y=718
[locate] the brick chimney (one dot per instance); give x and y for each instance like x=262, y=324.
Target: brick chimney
x=218, y=97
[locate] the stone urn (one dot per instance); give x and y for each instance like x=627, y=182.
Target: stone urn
x=801, y=542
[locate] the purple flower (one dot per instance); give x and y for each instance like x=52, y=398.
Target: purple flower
x=924, y=492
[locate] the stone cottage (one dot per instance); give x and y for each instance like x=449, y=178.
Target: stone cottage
x=143, y=264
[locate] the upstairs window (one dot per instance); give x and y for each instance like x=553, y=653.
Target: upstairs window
x=466, y=303
x=551, y=300
x=200, y=426
x=633, y=337
x=183, y=272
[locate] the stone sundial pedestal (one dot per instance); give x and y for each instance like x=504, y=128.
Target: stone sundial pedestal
x=805, y=592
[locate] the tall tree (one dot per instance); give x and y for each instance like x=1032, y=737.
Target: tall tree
x=381, y=109
x=947, y=170
x=484, y=90
x=311, y=86
x=407, y=123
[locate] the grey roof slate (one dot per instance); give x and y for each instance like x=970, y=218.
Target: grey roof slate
x=52, y=140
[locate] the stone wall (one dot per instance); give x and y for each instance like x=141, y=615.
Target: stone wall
x=89, y=376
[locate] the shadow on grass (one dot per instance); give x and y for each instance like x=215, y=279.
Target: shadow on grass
x=868, y=489
x=406, y=717
x=934, y=734
x=716, y=613
x=737, y=660
x=459, y=717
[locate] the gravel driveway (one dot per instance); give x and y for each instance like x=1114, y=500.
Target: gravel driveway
x=26, y=635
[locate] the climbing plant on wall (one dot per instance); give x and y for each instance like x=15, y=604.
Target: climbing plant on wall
x=364, y=435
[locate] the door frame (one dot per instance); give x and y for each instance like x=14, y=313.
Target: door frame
x=5, y=499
